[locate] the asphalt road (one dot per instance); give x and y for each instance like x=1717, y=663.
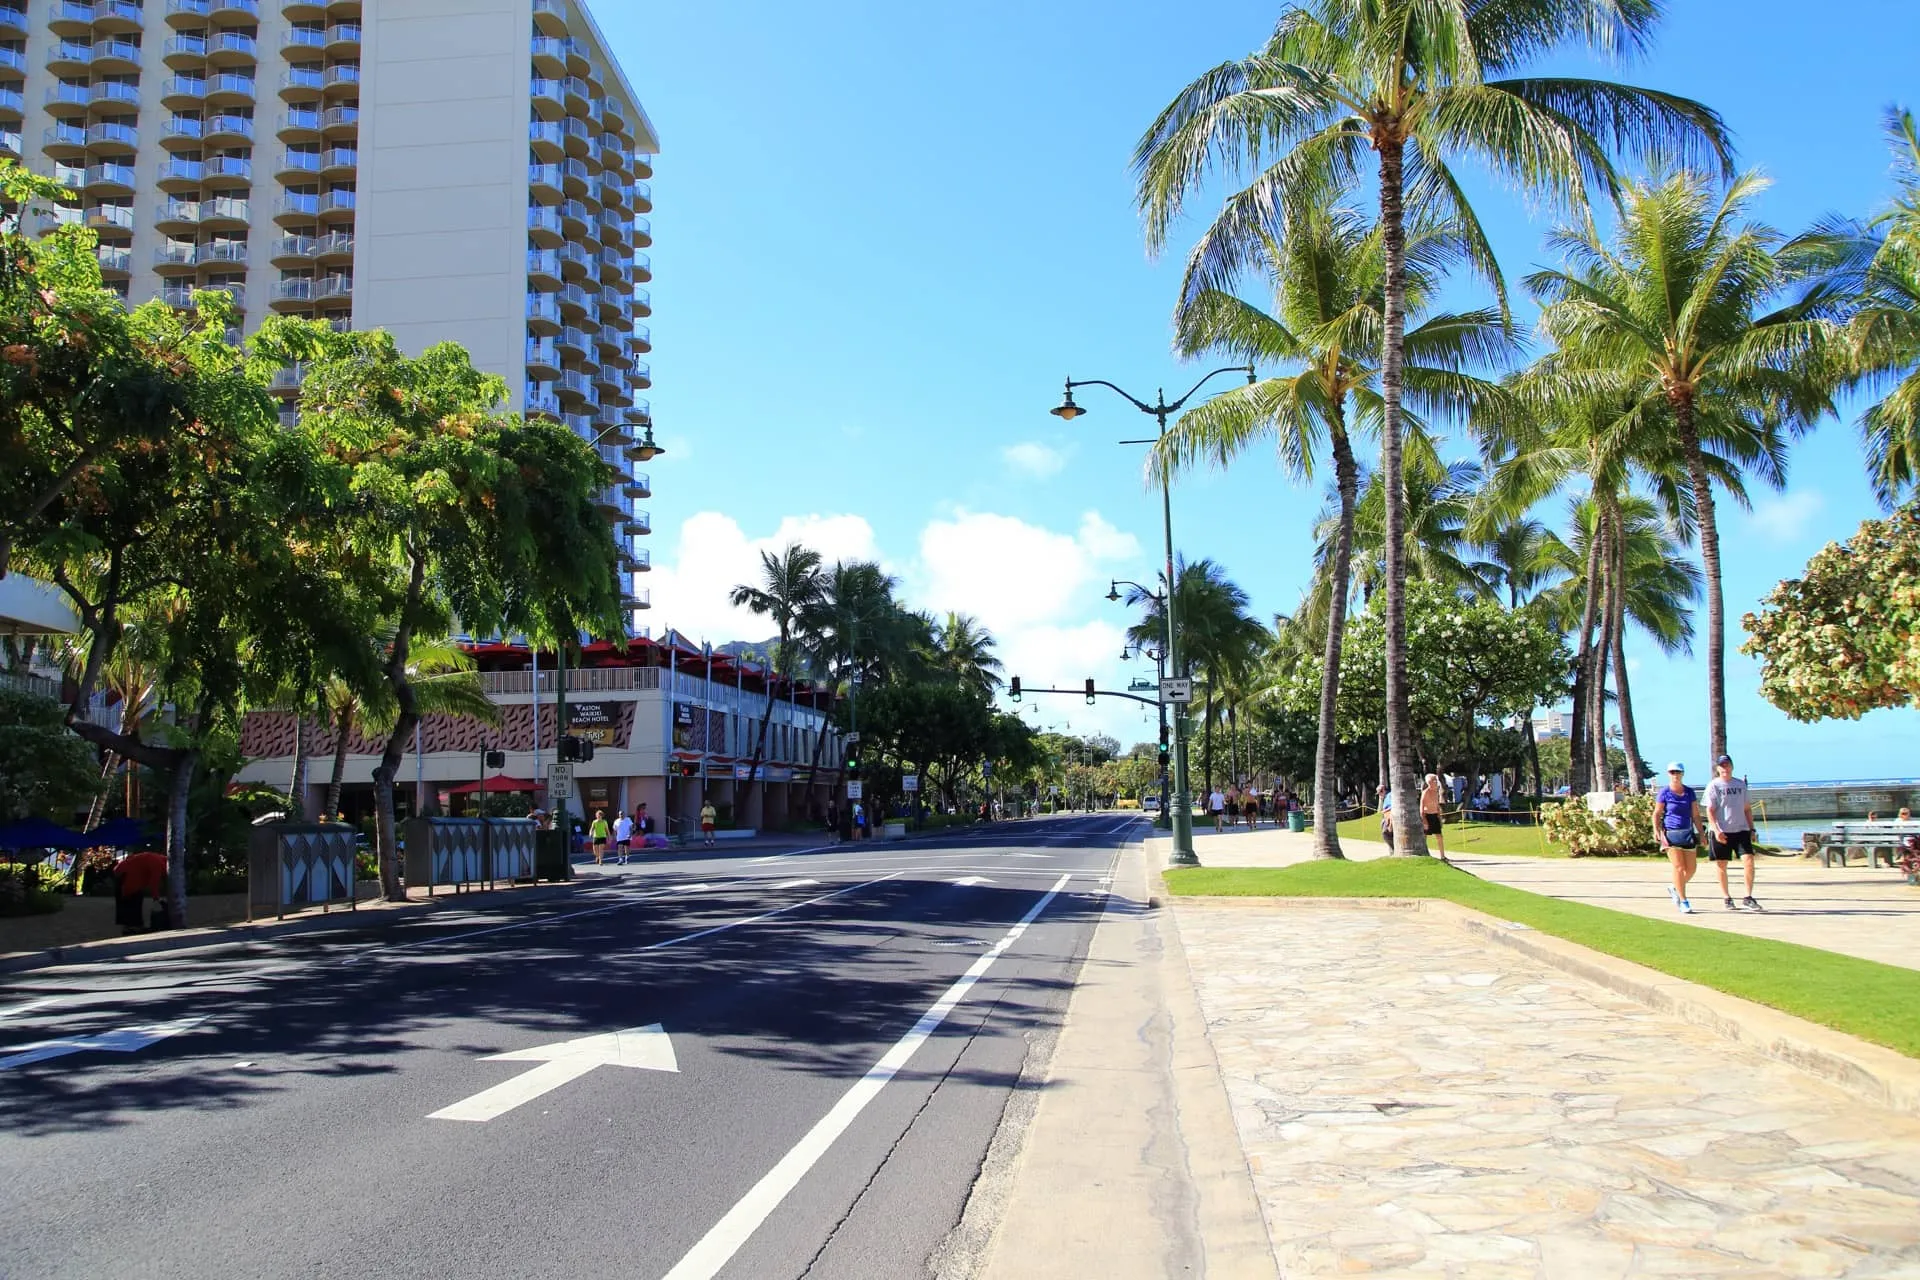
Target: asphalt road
x=847, y=1026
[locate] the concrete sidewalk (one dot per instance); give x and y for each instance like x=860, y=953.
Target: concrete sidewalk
x=1855, y=911
x=1128, y=1166
x=1415, y=1100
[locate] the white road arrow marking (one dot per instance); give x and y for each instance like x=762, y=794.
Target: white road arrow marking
x=967, y=880
x=692, y=888
x=643, y=1048
x=125, y=1040
x=794, y=884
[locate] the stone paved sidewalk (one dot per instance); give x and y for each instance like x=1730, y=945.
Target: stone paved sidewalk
x=1413, y=1103
x=1870, y=913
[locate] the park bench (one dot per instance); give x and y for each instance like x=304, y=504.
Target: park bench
x=1880, y=841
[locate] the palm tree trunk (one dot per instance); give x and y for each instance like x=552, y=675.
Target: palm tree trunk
x=1629, y=735
x=1602, y=657
x=387, y=838
x=1710, y=565
x=180, y=787
x=1533, y=757
x=1408, y=835
x=1579, y=746
x=1326, y=831
x=342, y=733
x=1206, y=746
x=297, y=782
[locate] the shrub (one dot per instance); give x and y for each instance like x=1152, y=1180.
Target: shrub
x=1627, y=828
x=29, y=889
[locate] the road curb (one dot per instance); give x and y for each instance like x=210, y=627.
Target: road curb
x=262, y=930
x=1869, y=1071
x=1131, y=1167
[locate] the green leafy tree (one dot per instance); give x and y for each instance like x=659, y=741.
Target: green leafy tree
x=467, y=514
x=1473, y=662
x=1692, y=307
x=1420, y=83
x=1843, y=639
x=45, y=771
x=963, y=650
x=1218, y=637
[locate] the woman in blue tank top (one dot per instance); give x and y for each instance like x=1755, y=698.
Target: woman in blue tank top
x=1673, y=826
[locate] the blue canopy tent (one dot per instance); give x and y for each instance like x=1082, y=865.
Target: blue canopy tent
x=38, y=833
x=121, y=833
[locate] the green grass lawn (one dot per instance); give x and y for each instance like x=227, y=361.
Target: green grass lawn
x=1470, y=837
x=1877, y=1002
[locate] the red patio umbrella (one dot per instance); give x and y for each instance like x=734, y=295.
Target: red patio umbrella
x=495, y=785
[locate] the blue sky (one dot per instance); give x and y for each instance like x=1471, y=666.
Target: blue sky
x=885, y=233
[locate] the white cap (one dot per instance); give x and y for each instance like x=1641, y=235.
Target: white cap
x=1674, y=766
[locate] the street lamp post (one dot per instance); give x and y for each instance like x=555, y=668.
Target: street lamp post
x=1159, y=657
x=1183, y=854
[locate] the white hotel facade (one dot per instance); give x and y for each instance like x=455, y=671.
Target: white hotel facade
x=465, y=170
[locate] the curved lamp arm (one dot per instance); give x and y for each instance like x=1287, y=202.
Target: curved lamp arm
x=1232, y=368
x=1141, y=405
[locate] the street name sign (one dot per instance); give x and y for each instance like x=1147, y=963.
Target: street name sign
x=1176, y=689
x=559, y=782
x=640, y=1048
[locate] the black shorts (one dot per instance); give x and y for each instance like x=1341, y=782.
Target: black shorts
x=1432, y=822
x=1740, y=842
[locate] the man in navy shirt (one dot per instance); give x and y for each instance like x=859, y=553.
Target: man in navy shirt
x=1673, y=826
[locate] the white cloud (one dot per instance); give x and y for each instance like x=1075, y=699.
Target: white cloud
x=1787, y=518
x=1034, y=459
x=713, y=553
x=1011, y=574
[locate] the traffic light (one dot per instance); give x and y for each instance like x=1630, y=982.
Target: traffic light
x=1090, y=693
x=1163, y=746
x=496, y=759
x=1013, y=690
x=577, y=750
x=853, y=767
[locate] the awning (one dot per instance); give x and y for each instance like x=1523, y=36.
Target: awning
x=31, y=607
x=497, y=784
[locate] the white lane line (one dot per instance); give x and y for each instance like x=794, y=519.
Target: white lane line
x=764, y=915
x=28, y=1007
x=795, y=884
x=718, y=1246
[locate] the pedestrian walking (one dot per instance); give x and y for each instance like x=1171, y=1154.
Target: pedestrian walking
x=598, y=833
x=1430, y=814
x=709, y=816
x=1217, y=806
x=622, y=838
x=1673, y=826
x=1730, y=828
x=1386, y=815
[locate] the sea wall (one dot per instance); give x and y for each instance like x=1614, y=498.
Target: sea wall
x=1833, y=800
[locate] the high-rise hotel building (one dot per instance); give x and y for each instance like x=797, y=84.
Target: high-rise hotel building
x=465, y=170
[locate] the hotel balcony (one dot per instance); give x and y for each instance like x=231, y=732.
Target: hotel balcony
x=225, y=213
x=221, y=253
x=637, y=599
x=299, y=124
x=543, y=227
x=543, y=269
x=65, y=142
x=177, y=217
x=334, y=248
x=550, y=17
x=543, y=358
x=69, y=18
x=541, y=401
x=227, y=130
x=547, y=141
x=174, y=258
x=233, y=12
x=110, y=219
x=112, y=137
x=118, y=16
x=543, y=183
x=340, y=123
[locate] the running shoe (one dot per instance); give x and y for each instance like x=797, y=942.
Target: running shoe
x=1730, y=905
x=1686, y=908
x=1750, y=904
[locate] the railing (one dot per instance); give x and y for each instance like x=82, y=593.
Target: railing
x=39, y=686
x=587, y=680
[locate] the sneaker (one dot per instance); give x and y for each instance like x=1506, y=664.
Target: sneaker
x=1750, y=904
x=1686, y=908
x=1674, y=894
x=1730, y=905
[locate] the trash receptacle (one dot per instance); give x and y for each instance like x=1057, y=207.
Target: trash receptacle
x=550, y=859
x=1297, y=821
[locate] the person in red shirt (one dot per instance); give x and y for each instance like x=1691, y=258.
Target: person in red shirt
x=137, y=877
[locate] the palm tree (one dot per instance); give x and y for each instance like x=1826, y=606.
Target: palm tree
x=1218, y=637
x=1644, y=578
x=1884, y=332
x=1517, y=559
x=854, y=630
x=963, y=649
x=1324, y=275
x=789, y=585
x=1673, y=309
x=1418, y=82
x=1438, y=499
x=445, y=684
